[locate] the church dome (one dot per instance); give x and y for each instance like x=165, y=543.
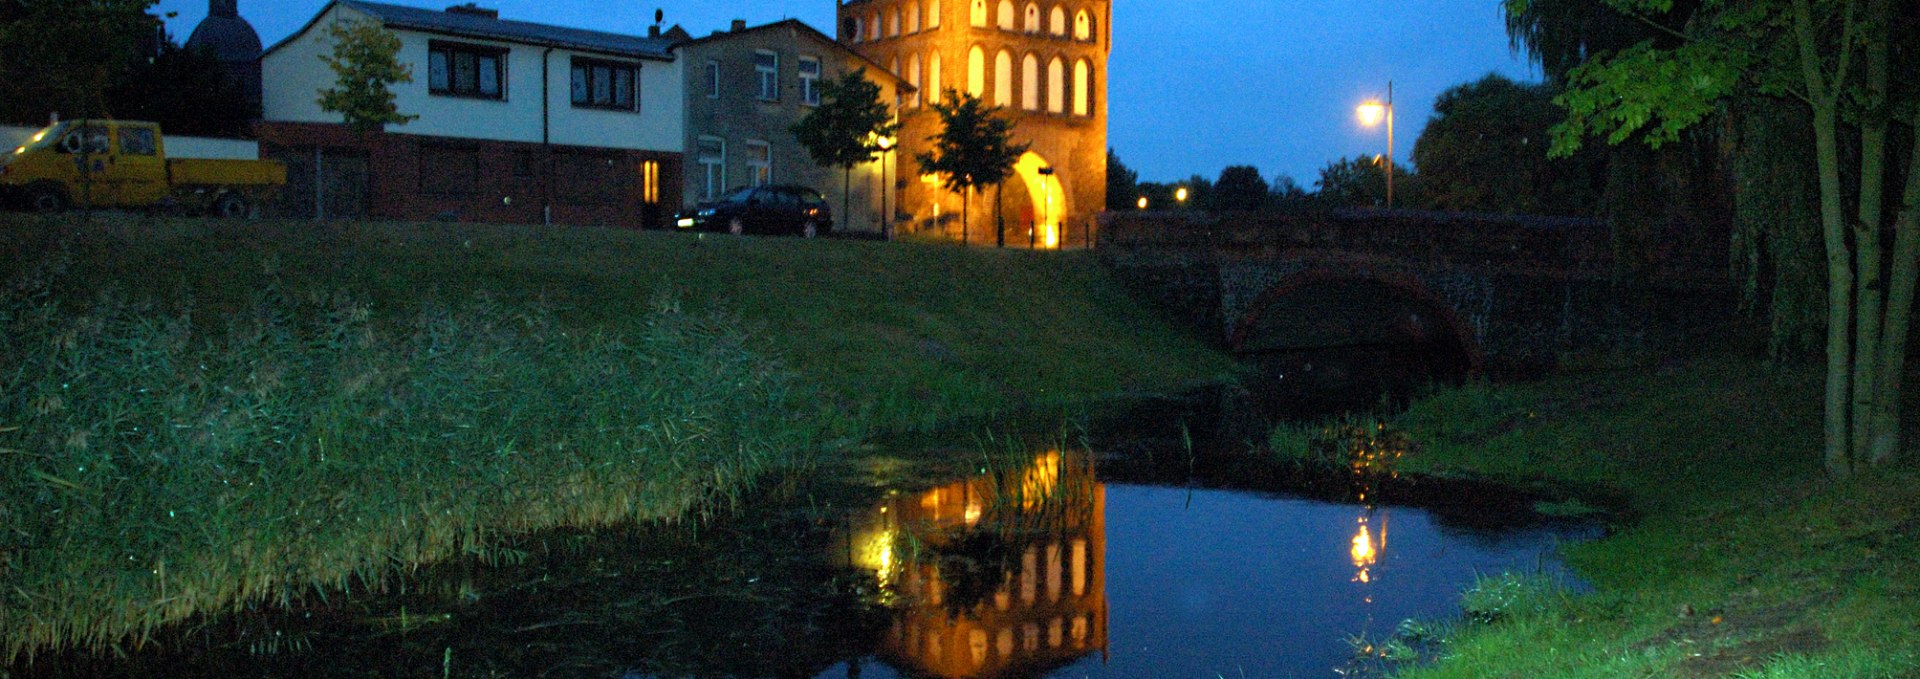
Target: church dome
x=223, y=32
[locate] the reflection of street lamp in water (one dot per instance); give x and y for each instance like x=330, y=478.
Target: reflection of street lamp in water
x=1366, y=550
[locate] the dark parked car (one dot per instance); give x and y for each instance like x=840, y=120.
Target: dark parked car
x=792, y=210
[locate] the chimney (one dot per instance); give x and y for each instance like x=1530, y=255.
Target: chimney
x=223, y=8
x=471, y=9
x=739, y=25
x=653, y=31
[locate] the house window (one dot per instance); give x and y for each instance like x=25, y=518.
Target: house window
x=759, y=163
x=605, y=84
x=713, y=79
x=460, y=70
x=712, y=155
x=766, y=65
x=810, y=80
x=650, y=182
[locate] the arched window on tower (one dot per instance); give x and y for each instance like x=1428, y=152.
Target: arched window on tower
x=1003, y=79
x=894, y=66
x=913, y=78
x=1056, y=86
x=933, y=14
x=893, y=23
x=1057, y=22
x=913, y=17
x=977, y=71
x=1031, y=24
x=934, y=94
x=979, y=13
x=1030, y=83
x=1082, y=26
x=1082, y=85
x=873, y=26
x=1006, y=15
x=850, y=29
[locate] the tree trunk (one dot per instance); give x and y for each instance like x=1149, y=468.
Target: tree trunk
x=846, y=196
x=966, y=201
x=1900, y=291
x=1826, y=113
x=1869, y=309
x=1000, y=215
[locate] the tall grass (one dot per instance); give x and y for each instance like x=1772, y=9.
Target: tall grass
x=154, y=469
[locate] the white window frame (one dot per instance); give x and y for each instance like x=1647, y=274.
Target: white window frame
x=767, y=75
x=810, y=82
x=714, y=168
x=759, y=169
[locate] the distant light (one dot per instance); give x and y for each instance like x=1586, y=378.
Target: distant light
x=1180, y=194
x=1371, y=113
x=1142, y=202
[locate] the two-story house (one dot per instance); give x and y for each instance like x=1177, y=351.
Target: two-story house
x=746, y=88
x=518, y=122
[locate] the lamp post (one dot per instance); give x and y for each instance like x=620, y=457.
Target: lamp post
x=886, y=144
x=1371, y=113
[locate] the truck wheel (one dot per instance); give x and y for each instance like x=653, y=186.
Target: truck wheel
x=230, y=206
x=46, y=199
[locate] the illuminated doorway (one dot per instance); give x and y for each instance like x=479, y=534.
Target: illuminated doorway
x=1049, y=200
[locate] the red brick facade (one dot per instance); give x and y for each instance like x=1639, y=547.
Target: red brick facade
x=334, y=172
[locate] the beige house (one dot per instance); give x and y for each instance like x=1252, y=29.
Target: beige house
x=745, y=89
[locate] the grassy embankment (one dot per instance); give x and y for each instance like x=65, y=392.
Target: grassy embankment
x=199, y=416
x=1745, y=559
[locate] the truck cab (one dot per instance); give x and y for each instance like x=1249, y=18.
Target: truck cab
x=123, y=164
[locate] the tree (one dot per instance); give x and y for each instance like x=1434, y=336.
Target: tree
x=846, y=128
x=1287, y=195
x=366, y=61
x=1484, y=150
x=1360, y=182
x=1123, y=184
x=973, y=148
x=1836, y=58
x=64, y=57
x=1240, y=187
x=186, y=92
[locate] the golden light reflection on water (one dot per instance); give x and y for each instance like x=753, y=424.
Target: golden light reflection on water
x=1366, y=550
x=1000, y=571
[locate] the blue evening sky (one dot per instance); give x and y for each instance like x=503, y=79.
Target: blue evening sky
x=1194, y=86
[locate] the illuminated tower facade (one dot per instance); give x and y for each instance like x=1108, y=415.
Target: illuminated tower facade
x=1044, y=62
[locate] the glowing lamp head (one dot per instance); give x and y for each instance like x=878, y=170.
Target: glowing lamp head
x=886, y=143
x=1371, y=113
x=1180, y=194
x=1142, y=202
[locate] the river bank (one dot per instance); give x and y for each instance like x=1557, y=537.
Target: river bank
x=199, y=416
x=1744, y=559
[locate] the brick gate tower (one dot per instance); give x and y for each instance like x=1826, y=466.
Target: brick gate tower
x=1044, y=62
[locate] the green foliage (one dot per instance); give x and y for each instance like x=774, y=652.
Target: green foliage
x=845, y=129
x=1240, y=187
x=1123, y=184
x=1360, y=182
x=1777, y=257
x=1505, y=596
x=1485, y=150
x=974, y=147
x=366, y=61
x=65, y=57
x=1647, y=93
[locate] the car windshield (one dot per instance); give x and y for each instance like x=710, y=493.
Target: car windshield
x=44, y=138
x=738, y=196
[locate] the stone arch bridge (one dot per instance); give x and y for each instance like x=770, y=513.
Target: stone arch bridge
x=1472, y=292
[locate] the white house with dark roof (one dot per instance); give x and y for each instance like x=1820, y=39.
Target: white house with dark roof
x=518, y=122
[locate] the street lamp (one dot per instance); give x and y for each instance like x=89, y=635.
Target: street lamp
x=1371, y=113
x=886, y=144
x=1180, y=196
x=1142, y=202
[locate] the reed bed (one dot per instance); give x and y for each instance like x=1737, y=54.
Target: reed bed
x=153, y=469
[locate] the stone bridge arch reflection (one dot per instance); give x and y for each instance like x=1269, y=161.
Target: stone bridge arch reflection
x=1001, y=574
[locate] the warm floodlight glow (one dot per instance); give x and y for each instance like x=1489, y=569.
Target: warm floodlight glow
x=1142, y=202
x=1371, y=113
x=1180, y=194
x=886, y=143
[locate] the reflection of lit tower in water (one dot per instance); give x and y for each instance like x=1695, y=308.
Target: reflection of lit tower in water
x=1006, y=573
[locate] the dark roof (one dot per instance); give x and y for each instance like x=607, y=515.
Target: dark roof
x=475, y=25
x=803, y=28
x=230, y=38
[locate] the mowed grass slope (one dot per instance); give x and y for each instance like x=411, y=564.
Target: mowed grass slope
x=1745, y=559
x=199, y=415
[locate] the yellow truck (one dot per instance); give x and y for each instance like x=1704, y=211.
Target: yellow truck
x=124, y=164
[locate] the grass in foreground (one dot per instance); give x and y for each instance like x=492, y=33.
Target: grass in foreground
x=201, y=415
x=1745, y=561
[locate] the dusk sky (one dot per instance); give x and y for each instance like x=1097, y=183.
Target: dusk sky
x=1194, y=86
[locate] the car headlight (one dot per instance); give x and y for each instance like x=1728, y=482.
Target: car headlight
x=684, y=222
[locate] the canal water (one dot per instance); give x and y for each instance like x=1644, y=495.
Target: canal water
x=1159, y=545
